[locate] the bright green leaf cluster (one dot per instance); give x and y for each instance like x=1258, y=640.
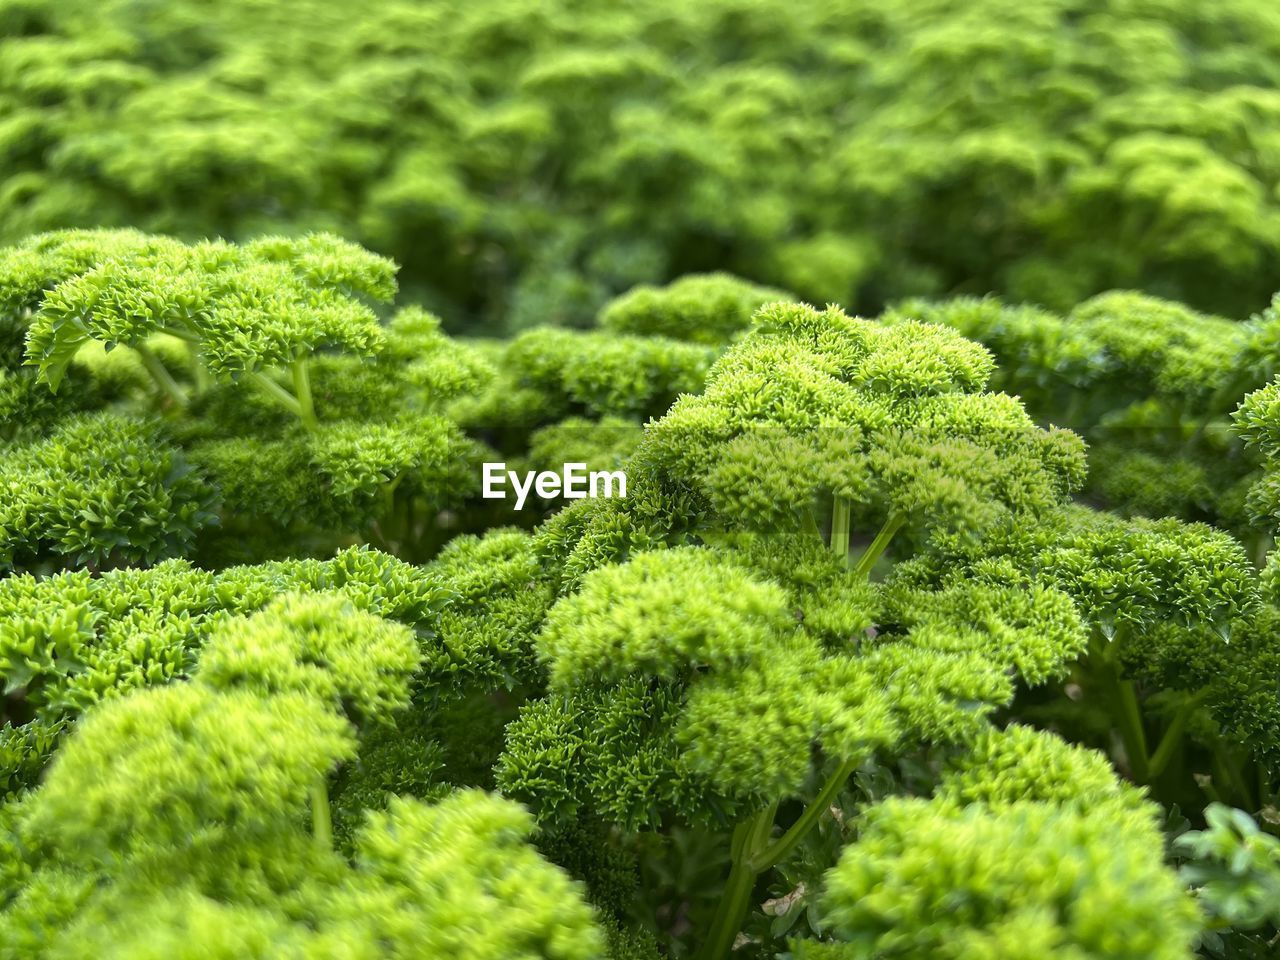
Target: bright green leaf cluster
x=1135, y=572
x=1036, y=628
x=484, y=640
x=607, y=373
x=191, y=803
x=678, y=678
x=1031, y=847
x=264, y=304
x=665, y=614
x=1148, y=382
x=708, y=308
x=71, y=640
x=339, y=474
x=1258, y=423
x=932, y=879
x=184, y=769
x=892, y=420
x=318, y=645
x=24, y=751
x=684, y=680
x=100, y=489
x=1020, y=764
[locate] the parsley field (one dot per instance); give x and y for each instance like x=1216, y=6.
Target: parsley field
x=935, y=615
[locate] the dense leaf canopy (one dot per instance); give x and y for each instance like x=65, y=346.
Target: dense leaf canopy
x=939, y=618
x=526, y=161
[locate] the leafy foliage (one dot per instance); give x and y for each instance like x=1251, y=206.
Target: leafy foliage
x=1235, y=868
x=952, y=631
x=190, y=802
x=526, y=164
x=1033, y=879
x=71, y=640
x=100, y=489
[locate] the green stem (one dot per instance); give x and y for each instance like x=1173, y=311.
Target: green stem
x=752, y=854
x=200, y=375
x=809, y=524
x=840, y=516
x=1124, y=708
x=736, y=899
x=277, y=393
x=1172, y=738
x=161, y=375
x=181, y=333
x=780, y=848
x=1261, y=547
x=879, y=544
x=1131, y=732
x=302, y=389
x=321, y=824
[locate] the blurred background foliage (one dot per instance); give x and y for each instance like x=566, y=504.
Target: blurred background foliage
x=526, y=162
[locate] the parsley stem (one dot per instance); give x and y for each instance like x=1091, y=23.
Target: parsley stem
x=160, y=374
x=734, y=903
x=321, y=822
x=277, y=393
x=840, y=515
x=302, y=390
x=780, y=848
x=879, y=544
